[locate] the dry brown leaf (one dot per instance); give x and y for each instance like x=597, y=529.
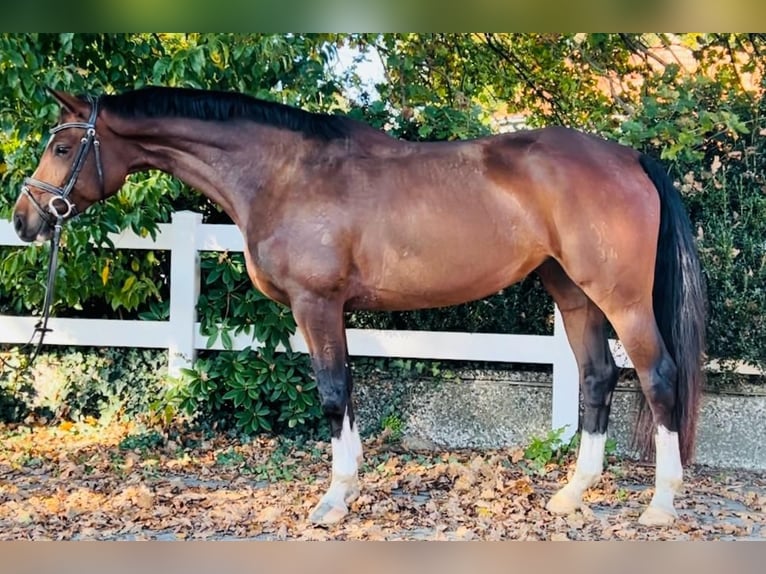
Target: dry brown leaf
x=144, y=498
x=487, y=494
x=269, y=514
x=464, y=483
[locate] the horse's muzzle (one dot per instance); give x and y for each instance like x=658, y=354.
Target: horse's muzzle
x=39, y=230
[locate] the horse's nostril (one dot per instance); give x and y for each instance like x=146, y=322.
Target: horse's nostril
x=18, y=222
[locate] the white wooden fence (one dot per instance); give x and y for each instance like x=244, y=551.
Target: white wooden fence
x=186, y=236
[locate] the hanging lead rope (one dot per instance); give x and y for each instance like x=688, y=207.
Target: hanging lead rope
x=41, y=326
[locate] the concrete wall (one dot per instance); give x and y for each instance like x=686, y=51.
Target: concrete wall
x=491, y=410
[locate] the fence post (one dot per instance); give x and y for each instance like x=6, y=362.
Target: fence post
x=184, y=290
x=566, y=382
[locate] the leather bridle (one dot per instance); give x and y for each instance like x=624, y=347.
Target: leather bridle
x=49, y=212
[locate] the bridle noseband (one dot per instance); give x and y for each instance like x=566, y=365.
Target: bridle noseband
x=61, y=194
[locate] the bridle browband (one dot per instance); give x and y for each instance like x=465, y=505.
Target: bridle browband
x=61, y=194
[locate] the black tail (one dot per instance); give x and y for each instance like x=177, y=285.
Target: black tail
x=679, y=309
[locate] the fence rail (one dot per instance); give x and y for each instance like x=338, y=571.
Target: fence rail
x=186, y=236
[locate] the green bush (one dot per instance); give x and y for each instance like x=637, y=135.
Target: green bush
x=256, y=390
x=67, y=383
x=720, y=168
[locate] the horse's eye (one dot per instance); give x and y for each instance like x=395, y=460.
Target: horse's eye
x=61, y=149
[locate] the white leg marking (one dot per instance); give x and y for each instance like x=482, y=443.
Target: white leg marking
x=344, y=486
x=590, y=463
x=346, y=450
x=668, y=479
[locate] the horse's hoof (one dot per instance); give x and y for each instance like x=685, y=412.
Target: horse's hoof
x=656, y=516
x=326, y=513
x=563, y=503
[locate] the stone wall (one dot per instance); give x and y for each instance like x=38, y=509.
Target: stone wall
x=486, y=409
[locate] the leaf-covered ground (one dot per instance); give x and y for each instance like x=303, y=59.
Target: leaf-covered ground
x=121, y=482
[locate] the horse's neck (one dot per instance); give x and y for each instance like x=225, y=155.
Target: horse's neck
x=228, y=163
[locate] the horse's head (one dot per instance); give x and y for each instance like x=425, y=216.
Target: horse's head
x=72, y=173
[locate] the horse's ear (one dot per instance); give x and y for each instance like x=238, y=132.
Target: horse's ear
x=70, y=102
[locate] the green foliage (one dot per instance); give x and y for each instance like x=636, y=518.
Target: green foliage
x=712, y=140
x=229, y=457
x=730, y=208
x=259, y=389
x=77, y=383
x=550, y=449
x=393, y=426
x=16, y=392
x=229, y=303
x=413, y=368
x=684, y=117
x=142, y=441
x=279, y=467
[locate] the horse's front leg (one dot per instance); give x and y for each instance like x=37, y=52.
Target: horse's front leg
x=321, y=322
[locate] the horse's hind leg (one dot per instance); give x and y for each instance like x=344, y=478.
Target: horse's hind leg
x=629, y=309
x=636, y=327
x=321, y=322
x=585, y=326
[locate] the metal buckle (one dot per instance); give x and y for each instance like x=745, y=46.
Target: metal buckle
x=52, y=207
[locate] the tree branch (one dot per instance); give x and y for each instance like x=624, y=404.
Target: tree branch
x=640, y=49
x=733, y=58
x=523, y=72
x=604, y=73
x=669, y=46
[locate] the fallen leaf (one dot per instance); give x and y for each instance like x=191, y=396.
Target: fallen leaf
x=269, y=514
x=144, y=499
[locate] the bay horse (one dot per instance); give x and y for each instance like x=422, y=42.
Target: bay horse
x=337, y=215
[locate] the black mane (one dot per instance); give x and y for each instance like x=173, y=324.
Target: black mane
x=209, y=105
